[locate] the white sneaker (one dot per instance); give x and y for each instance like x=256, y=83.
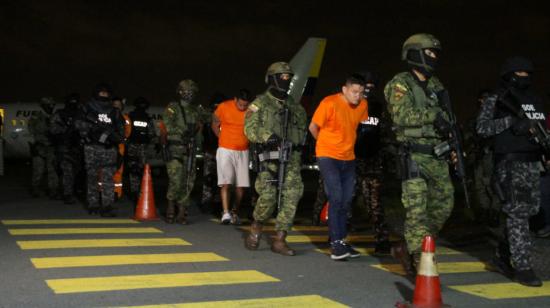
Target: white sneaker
x=226, y=218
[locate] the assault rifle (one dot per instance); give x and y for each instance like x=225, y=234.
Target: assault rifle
x=285, y=150
x=454, y=143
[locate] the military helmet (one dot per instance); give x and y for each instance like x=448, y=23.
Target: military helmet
x=141, y=102
x=47, y=101
x=516, y=64
x=102, y=87
x=187, y=85
x=278, y=68
x=420, y=41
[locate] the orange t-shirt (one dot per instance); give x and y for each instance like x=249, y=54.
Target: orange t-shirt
x=338, y=122
x=232, y=126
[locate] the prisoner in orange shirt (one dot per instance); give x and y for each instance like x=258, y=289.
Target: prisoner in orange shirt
x=232, y=154
x=334, y=125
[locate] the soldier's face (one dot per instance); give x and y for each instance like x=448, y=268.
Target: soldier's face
x=242, y=104
x=353, y=93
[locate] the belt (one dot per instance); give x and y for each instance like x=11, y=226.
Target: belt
x=524, y=157
x=421, y=148
x=268, y=155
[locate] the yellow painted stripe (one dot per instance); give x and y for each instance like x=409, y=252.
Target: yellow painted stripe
x=369, y=251
x=93, y=243
x=505, y=290
x=442, y=268
x=274, y=302
x=50, y=231
x=316, y=66
x=95, y=284
x=295, y=228
x=12, y=222
x=109, y=260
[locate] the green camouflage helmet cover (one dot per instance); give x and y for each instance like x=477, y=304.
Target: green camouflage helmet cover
x=278, y=68
x=419, y=41
x=187, y=85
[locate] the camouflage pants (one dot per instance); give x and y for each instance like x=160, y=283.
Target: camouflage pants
x=484, y=196
x=368, y=175
x=100, y=167
x=135, y=161
x=209, y=178
x=266, y=186
x=320, y=199
x=520, y=184
x=44, y=169
x=180, y=182
x=70, y=165
x=428, y=200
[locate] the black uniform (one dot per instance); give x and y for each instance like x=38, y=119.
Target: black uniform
x=141, y=134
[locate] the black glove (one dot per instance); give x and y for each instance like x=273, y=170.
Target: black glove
x=522, y=126
x=442, y=126
x=273, y=141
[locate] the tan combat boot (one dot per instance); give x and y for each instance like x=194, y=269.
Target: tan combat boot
x=252, y=241
x=170, y=211
x=181, y=218
x=279, y=244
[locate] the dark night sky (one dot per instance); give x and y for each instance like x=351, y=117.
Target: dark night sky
x=146, y=47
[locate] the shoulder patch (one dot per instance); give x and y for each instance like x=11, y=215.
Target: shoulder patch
x=170, y=110
x=253, y=107
x=400, y=88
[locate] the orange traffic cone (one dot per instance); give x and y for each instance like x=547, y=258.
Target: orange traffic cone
x=323, y=217
x=145, y=209
x=427, y=292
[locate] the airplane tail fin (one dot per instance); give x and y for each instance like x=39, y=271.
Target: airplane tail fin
x=306, y=65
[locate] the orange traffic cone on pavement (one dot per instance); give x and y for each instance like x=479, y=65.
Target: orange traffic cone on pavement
x=323, y=217
x=145, y=209
x=427, y=291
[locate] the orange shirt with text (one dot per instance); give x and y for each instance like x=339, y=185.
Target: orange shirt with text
x=338, y=121
x=232, y=126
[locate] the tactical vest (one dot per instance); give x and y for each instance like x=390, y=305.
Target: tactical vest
x=140, y=122
x=507, y=142
x=273, y=118
x=105, y=121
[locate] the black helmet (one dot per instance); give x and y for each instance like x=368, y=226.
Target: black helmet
x=141, y=103
x=516, y=64
x=72, y=99
x=102, y=87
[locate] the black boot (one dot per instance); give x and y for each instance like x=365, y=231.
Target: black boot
x=181, y=218
x=69, y=199
x=382, y=248
x=107, y=211
x=401, y=253
x=500, y=263
x=527, y=278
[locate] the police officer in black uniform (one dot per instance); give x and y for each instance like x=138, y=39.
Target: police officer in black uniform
x=510, y=116
x=67, y=144
x=142, y=132
x=102, y=129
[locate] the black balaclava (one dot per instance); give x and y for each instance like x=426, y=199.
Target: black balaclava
x=279, y=87
x=429, y=63
x=517, y=64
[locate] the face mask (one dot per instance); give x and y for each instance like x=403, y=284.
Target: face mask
x=368, y=93
x=522, y=82
x=187, y=96
x=422, y=62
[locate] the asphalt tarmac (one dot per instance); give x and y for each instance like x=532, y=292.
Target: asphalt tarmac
x=121, y=262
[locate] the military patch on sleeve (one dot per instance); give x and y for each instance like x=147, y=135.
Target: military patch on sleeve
x=399, y=91
x=253, y=107
x=170, y=110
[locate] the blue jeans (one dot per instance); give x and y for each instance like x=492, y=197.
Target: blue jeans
x=339, y=177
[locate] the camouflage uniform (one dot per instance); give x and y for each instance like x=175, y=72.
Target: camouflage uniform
x=209, y=146
x=68, y=148
x=182, y=121
x=43, y=153
x=428, y=195
x=262, y=121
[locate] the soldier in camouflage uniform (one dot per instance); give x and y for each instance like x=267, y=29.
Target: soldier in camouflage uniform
x=209, y=144
x=43, y=150
x=142, y=131
x=101, y=127
x=263, y=126
x=183, y=123
x=517, y=165
x=414, y=106
x=67, y=145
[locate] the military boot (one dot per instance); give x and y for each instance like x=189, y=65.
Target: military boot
x=401, y=253
x=500, y=263
x=181, y=218
x=252, y=241
x=279, y=245
x=170, y=211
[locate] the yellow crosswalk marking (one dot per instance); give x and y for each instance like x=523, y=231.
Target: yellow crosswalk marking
x=505, y=290
x=294, y=228
x=93, y=243
x=109, y=260
x=442, y=268
x=369, y=251
x=274, y=302
x=12, y=222
x=50, y=231
x=95, y=284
